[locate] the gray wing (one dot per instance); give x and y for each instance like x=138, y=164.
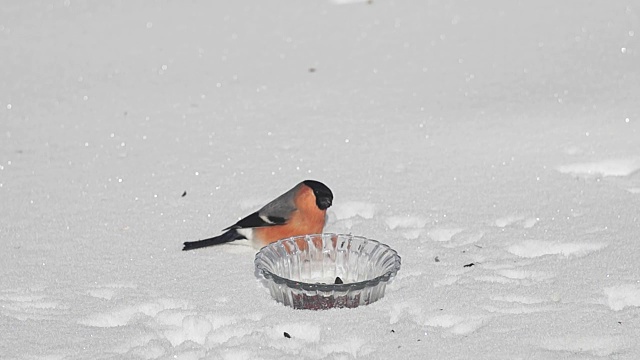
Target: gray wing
x=277, y=212
x=280, y=209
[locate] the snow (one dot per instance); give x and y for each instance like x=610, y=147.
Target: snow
x=613, y=167
x=621, y=296
x=536, y=248
x=351, y=209
x=493, y=144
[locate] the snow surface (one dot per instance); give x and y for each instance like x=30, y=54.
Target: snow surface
x=500, y=135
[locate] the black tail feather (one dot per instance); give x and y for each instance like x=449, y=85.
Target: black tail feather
x=228, y=236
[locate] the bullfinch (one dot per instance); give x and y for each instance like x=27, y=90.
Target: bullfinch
x=299, y=211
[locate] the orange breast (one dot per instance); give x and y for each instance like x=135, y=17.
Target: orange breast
x=307, y=219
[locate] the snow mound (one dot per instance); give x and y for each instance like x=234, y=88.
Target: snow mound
x=587, y=345
x=537, y=248
x=406, y=222
x=350, y=209
x=442, y=234
x=611, y=167
x=622, y=296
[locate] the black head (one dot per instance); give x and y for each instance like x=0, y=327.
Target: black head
x=324, y=196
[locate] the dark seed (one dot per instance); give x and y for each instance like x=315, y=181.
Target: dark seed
x=286, y=334
x=338, y=280
x=393, y=331
x=184, y=193
x=437, y=259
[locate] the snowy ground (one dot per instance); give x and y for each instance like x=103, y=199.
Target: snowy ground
x=498, y=133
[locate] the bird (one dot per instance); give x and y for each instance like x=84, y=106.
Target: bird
x=299, y=211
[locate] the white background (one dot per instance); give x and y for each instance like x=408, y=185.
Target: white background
x=500, y=133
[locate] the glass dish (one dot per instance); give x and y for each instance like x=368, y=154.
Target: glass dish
x=324, y=271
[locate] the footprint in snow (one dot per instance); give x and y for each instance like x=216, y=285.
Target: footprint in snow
x=537, y=248
x=347, y=348
x=457, y=325
x=350, y=209
x=515, y=305
x=449, y=280
x=304, y=331
x=170, y=327
x=172, y=320
x=513, y=276
x=411, y=309
x=587, y=345
x=611, y=167
x=524, y=274
x=454, y=237
x=443, y=234
x=411, y=226
x=235, y=354
x=123, y=314
x=454, y=325
x=347, y=212
x=624, y=172
x=513, y=220
x=297, y=339
x=27, y=304
x=622, y=296
x=108, y=291
x=179, y=327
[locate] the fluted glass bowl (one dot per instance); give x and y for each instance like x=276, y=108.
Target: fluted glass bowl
x=324, y=271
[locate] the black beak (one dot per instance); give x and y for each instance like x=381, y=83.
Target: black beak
x=324, y=203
